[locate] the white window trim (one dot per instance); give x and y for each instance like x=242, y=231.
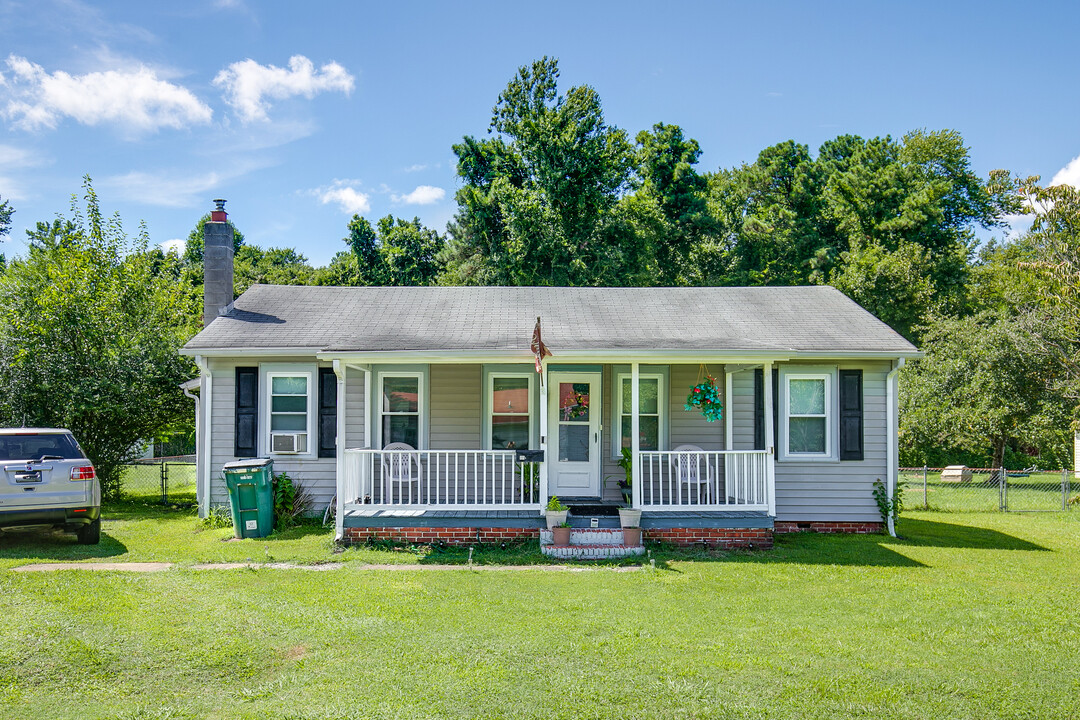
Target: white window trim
x=489, y=401
x=831, y=416
x=617, y=413
x=421, y=405
x=268, y=382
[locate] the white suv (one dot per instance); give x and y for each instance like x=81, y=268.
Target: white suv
x=47, y=481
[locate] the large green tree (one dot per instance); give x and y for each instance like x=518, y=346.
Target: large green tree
x=984, y=385
x=537, y=205
x=89, y=332
x=668, y=206
x=395, y=252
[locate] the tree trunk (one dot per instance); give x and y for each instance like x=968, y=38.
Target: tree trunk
x=999, y=452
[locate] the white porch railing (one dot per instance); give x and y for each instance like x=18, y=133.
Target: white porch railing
x=443, y=479
x=704, y=480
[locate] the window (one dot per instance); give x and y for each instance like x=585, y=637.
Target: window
x=808, y=409
x=290, y=411
x=509, y=422
x=401, y=398
x=651, y=411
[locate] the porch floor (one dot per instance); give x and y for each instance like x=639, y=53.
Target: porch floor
x=362, y=517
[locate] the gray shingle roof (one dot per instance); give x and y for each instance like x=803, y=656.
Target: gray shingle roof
x=763, y=319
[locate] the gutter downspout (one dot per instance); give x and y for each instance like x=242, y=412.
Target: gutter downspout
x=892, y=446
x=202, y=438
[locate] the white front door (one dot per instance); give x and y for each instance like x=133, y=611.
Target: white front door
x=574, y=428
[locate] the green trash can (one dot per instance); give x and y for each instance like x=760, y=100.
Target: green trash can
x=251, y=495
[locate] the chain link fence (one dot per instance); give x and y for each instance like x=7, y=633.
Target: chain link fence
x=989, y=490
x=164, y=480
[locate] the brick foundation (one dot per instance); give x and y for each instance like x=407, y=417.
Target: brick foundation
x=430, y=535
x=759, y=538
x=830, y=526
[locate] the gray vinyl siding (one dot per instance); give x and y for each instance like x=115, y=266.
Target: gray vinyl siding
x=454, y=407
x=817, y=491
x=804, y=490
x=610, y=472
x=354, y=408
x=691, y=427
x=317, y=475
x=741, y=407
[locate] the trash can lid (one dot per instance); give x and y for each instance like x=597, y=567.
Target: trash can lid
x=241, y=465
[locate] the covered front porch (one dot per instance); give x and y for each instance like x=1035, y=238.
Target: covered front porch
x=569, y=431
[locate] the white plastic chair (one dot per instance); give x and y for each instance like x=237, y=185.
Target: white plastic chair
x=694, y=470
x=400, y=469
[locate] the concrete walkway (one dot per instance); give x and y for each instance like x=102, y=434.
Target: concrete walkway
x=147, y=567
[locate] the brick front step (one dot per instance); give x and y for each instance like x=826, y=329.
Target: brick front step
x=591, y=552
x=588, y=536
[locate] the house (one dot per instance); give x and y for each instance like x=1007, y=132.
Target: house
x=324, y=379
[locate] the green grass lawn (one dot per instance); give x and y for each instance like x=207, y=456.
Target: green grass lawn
x=968, y=616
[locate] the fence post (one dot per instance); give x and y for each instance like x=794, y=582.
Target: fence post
x=1064, y=489
x=164, y=483
x=1003, y=479
x=925, y=501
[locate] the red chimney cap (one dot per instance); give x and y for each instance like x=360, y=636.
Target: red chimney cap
x=219, y=214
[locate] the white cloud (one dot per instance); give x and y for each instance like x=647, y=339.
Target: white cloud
x=176, y=245
x=422, y=195
x=1068, y=175
x=165, y=190
x=16, y=157
x=347, y=197
x=415, y=168
x=9, y=191
x=250, y=86
x=134, y=98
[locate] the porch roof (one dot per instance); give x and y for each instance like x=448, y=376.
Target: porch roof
x=501, y=319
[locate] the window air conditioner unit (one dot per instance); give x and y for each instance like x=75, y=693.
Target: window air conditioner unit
x=288, y=443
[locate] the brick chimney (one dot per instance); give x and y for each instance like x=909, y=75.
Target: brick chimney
x=217, y=263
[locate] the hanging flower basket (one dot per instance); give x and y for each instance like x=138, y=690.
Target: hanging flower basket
x=705, y=396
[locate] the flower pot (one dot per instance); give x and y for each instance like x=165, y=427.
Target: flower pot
x=631, y=536
x=560, y=536
x=554, y=518
x=629, y=518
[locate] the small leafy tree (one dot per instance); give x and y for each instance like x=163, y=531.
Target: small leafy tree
x=89, y=331
x=6, y=212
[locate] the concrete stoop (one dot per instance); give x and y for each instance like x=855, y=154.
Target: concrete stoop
x=590, y=544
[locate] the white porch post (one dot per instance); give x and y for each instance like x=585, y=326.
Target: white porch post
x=544, y=495
x=770, y=458
x=635, y=440
x=203, y=455
x=369, y=410
x=891, y=449
x=340, y=370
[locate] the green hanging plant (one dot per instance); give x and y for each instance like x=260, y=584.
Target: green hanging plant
x=705, y=396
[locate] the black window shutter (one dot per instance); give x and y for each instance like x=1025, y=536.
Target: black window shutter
x=759, y=409
x=851, y=414
x=759, y=406
x=246, y=437
x=327, y=413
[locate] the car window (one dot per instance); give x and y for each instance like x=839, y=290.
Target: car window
x=32, y=446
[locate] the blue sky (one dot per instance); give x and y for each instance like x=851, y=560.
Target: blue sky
x=302, y=113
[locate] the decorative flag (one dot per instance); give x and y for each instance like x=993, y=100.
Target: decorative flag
x=539, y=349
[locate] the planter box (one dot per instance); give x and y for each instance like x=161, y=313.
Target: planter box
x=554, y=518
x=629, y=518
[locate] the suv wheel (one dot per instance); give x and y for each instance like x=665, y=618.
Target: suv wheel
x=90, y=534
